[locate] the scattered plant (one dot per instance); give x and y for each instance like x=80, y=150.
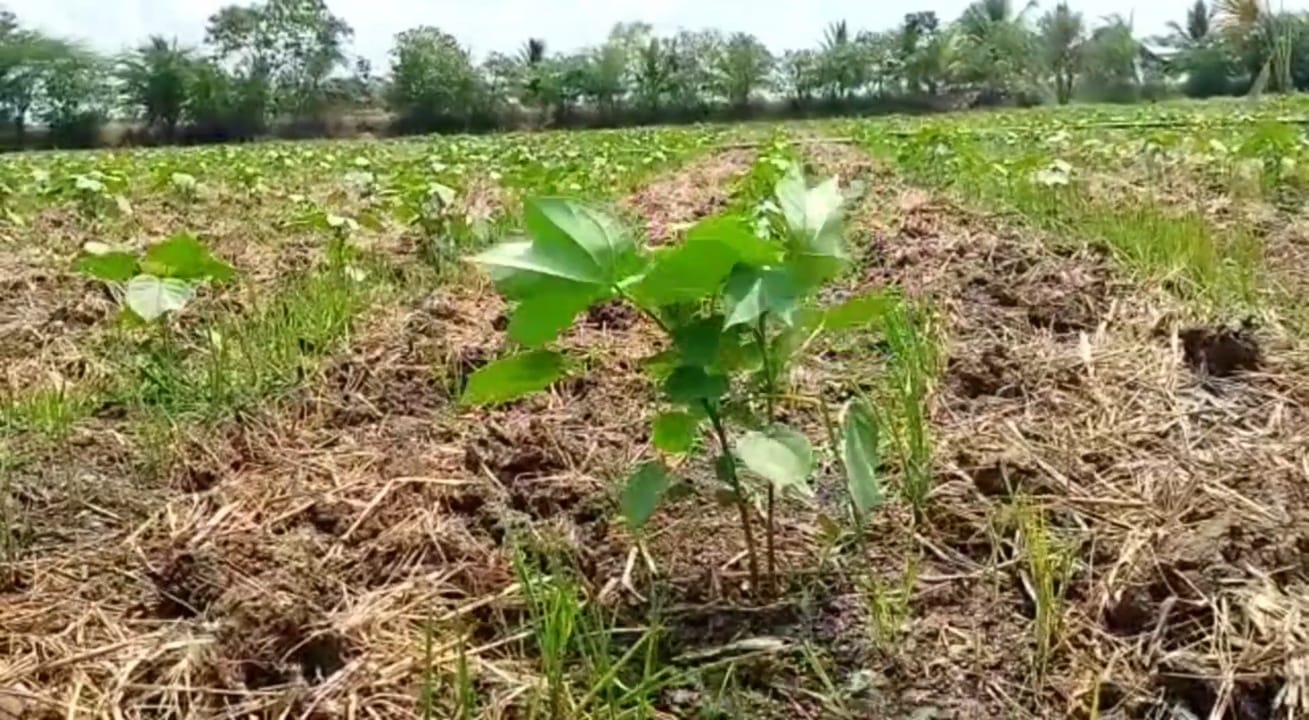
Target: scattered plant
x=738, y=305
x=160, y=281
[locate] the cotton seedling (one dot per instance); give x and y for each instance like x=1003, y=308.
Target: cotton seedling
x=737, y=306
x=158, y=282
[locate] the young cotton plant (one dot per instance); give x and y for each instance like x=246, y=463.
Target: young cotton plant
x=737, y=302
x=161, y=280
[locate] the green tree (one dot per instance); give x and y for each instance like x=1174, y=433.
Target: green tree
x=843, y=65
x=27, y=58
x=284, y=49
x=997, y=49
x=1199, y=21
x=742, y=68
x=922, y=52
x=432, y=77
x=606, y=75
x=800, y=76
x=652, y=75
x=1263, y=38
x=1112, y=60
x=74, y=96
x=1062, y=34
x=155, y=79
x=692, y=81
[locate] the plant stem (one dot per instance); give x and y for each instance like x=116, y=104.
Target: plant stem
x=761, y=336
x=747, y=527
x=644, y=311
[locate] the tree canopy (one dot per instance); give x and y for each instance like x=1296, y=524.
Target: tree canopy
x=279, y=61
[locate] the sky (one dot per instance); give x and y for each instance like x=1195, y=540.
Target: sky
x=503, y=25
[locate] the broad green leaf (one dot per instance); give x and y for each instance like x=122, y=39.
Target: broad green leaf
x=735, y=233
x=691, y=385
x=860, y=310
x=674, y=432
x=583, y=236
x=779, y=455
x=185, y=258
x=510, y=259
x=859, y=455
x=661, y=364
x=645, y=488
x=740, y=353
x=152, y=297
x=751, y=292
x=114, y=266
x=687, y=272
x=698, y=341
x=696, y=268
x=540, y=318
x=513, y=377
x=805, y=325
x=815, y=248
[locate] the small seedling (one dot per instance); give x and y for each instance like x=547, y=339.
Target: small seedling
x=160, y=281
x=738, y=303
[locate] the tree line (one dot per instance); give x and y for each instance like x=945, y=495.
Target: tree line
x=286, y=64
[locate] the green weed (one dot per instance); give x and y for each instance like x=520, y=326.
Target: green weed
x=1048, y=561
x=239, y=361
x=47, y=412
x=912, y=370
x=585, y=671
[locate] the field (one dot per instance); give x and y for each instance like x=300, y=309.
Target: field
x=1012, y=421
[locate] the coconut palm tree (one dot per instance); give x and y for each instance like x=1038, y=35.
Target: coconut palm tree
x=1199, y=21
x=156, y=79
x=997, y=46
x=1251, y=26
x=1062, y=35
x=532, y=52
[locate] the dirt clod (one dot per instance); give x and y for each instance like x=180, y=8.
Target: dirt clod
x=1221, y=351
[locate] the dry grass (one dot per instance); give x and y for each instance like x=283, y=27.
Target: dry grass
x=1181, y=492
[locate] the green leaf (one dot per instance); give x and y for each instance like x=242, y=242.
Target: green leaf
x=779, y=455
x=734, y=232
x=513, y=377
x=152, y=297
x=695, y=269
x=698, y=342
x=751, y=292
x=645, y=488
x=540, y=319
x=815, y=248
x=518, y=262
x=661, y=364
x=860, y=310
x=805, y=325
x=859, y=455
x=740, y=353
x=674, y=432
x=110, y=266
x=185, y=258
x=691, y=385
x=589, y=241
x=685, y=273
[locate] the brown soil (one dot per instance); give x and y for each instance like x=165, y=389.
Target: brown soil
x=1170, y=469
x=671, y=203
x=290, y=562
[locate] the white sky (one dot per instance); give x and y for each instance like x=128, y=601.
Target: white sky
x=487, y=25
